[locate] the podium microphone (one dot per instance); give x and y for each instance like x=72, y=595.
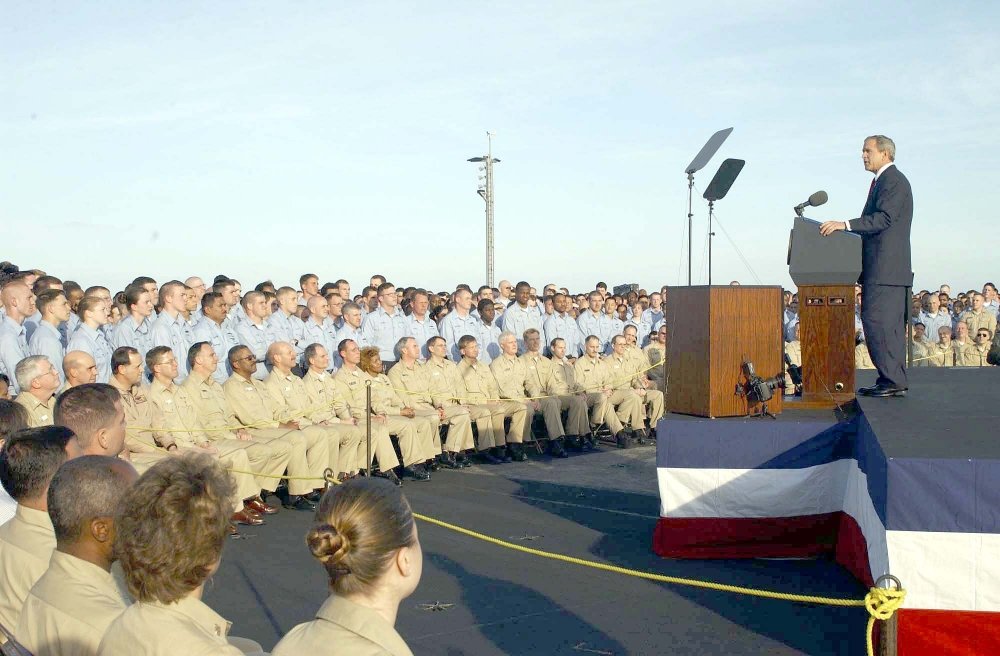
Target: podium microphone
x=815, y=200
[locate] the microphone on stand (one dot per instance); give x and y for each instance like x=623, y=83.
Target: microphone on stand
x=815, y=200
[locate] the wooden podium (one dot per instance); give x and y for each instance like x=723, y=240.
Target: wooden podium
x=711, y=332
x=825, y=270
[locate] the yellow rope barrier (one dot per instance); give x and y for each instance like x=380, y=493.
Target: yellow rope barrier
x=880, y=603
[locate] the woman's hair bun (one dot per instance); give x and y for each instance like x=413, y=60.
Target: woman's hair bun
x=329, y=547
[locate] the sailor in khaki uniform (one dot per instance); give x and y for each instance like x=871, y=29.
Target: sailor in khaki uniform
x=252, y=405
x=656, y=354
x=596, y=379
x=38, y=380
x=267, y=452
x=621, y=379
x=651, y=399
x=977, y=316
x=447, y=390
x=127, y=367
x=512, y=377
x=413, y=435
x=941, y=353
x=563, y=383
x=168, y=617
x=174, y=414
x=73, y=603
x=412, y=384
x=289, y=395
x=357, y=618
x=324, y=393
x=975, y=356
x=27, y=540
x=482, y=389
x=540, y=383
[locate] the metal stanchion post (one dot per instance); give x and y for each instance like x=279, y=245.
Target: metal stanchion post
x=368, y=424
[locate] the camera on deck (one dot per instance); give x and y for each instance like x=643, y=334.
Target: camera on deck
x=757, y=389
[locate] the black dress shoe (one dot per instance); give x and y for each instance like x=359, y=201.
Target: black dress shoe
x=447, y=460
x=298, y=503
x=639, y=435
x=623, y=440
x=416, y=472
x=462, y=461
x=431, y=465
x=489, y=458
x=517, y=453
x=557, y=450
x=389, y=476
x=313, y=497
x=500, y=453
x=573, y=443
x=886, y=391
x=866, y=391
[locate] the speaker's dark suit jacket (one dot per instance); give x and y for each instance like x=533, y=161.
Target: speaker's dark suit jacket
x=884, y=227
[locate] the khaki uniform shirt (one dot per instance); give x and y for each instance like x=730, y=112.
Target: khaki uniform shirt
x=511, y=375
x=352, y=387
x=976, y=355
x=940, y=355
x=250, y=402
x=214, y=411
x=343, y=628
x=966, y=355
x=289, y=396
x=39, y=413
x=480, y=383
x=445, y=383
x=539, y=374
x=323, y=391
x=26, y=545
x=591, y=374
x=982, y=319
x=174, y=414
x=69, y=609
x=154, y=629
x=793, y=350
x=139, y=420
x=414, y=380
x=563, y=378
x=621, y=372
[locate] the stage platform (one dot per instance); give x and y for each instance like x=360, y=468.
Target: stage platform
x=908, y=486
x=600, y=506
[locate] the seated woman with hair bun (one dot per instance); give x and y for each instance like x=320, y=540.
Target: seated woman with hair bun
x=365, y=536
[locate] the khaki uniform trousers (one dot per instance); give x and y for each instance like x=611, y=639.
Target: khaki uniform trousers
x=381, y=446
x=629, y=407
x=414, y=436
x=520, y=424
x=308, y=456
x=602, y=412
x=652, y=403
x=482, y=415
x=344, y=441
x=459, y=423
x=550, y=409
x=267, y=459
x=237, y=464
x=429, y=415
x=576, y=419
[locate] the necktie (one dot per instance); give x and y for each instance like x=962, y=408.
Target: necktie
x=872, y=186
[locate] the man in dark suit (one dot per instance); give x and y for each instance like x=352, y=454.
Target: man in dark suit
x=886, y=271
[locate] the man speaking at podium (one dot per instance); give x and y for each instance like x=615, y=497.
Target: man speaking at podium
x=886, y=272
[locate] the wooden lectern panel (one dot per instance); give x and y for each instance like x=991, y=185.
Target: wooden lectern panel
x=711, y=332
x=826, y=332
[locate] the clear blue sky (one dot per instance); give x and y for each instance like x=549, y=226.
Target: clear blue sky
x=266, y=139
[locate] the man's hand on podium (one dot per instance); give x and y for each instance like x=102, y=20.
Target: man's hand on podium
x=830, y=227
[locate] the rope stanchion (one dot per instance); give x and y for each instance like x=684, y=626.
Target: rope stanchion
x=368, y=426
